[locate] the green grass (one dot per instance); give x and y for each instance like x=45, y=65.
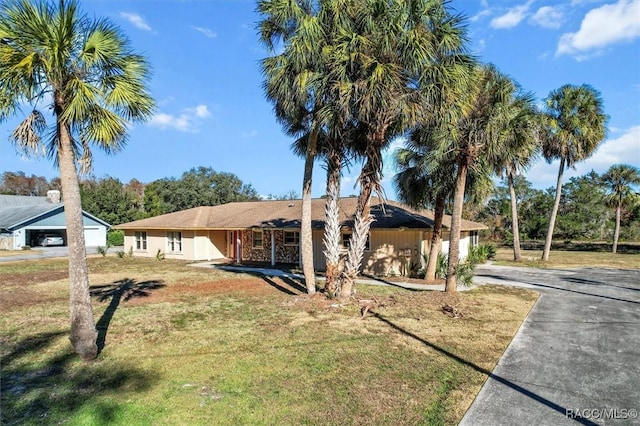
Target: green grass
x=191, y=346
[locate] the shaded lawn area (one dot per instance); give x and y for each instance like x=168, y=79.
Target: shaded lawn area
x=570, y=259
x=191, y=346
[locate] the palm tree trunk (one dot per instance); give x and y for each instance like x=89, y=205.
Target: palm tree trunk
x=616, y=233
x=83, y=330
x=332, y=224
x=306, y=235
x=361, y=226
x=436, y=239
x=456, y=222
x=517, y=255
x=554, y=213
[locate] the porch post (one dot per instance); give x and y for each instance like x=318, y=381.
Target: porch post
x=273, y=247
x=238, y=247
x=421, y=249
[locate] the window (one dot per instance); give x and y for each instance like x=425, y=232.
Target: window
x=291, y=238
x=346, y=241
x=174, y=242
x=141, y=240
x=257, y=239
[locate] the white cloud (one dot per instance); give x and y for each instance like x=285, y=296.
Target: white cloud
x=480, y=15
x=137, y=20
x=602, y=26
x=187, y=121
x=206, y=31
x=623, y=149
x=201, y=111
x=548, y=17
x=513, y=16
x=250, y=134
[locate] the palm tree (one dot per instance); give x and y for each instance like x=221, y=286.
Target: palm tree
x=475, y=143
x=334, y=147
x=421, y=183
x=84, y=71
x=575, y=125
x=382, y=66
x=620, y=179
x=521, y=147
x=292, y=84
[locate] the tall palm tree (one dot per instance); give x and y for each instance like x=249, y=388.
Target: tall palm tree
x=475, y=144
x=620, y=180
x=382, y=66
x=521, y=147
x=422, y=183
x=292, y=85
x=83, y=69
x=575, y=125
x=334, y=147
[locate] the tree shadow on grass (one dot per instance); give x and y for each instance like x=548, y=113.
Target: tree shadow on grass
x=123, y=289
x=53, y=391
x=506, y=382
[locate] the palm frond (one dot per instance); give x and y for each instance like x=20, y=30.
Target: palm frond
x=27, y=136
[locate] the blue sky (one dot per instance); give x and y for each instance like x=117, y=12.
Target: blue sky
x=212, y=112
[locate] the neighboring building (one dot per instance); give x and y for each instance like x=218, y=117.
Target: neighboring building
x=22, y=218
x=269, y=231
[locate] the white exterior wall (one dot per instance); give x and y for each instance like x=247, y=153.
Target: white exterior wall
x=157, y=241
x=209, y=245
x=465, y=244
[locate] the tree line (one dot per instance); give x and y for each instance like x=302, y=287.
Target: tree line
x=587, y=211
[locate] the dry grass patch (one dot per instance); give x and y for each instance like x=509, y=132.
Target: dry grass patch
x=570, y=259
x=192, y=346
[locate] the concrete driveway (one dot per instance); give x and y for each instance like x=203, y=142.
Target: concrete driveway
x=576, y=358
x=47, y=252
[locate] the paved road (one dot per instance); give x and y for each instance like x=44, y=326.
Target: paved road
x=577, y=352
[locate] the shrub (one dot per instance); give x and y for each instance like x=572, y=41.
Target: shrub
x=442, y=264
x=464, y=272
x=159, y=255
x=120, y=254
x=103, y=250
x=481, y=253
x=115, y=238
x=26, y=247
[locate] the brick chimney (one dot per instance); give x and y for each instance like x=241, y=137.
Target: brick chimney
x=53, y=196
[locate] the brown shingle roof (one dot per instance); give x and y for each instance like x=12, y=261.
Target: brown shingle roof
x=287, y=213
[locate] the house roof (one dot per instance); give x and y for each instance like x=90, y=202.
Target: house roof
x=12, y=217
x=7, y=201
x=16, y=210
x=287, y=214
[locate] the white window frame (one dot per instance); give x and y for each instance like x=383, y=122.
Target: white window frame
x=253, y=239
x=174, y=239
x=346, y=241
x=296, y=238
x=140, y=238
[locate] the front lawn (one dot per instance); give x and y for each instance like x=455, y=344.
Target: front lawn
x=570, y=259
x=192, y=346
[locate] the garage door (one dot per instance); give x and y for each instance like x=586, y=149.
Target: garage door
x=95, y=236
